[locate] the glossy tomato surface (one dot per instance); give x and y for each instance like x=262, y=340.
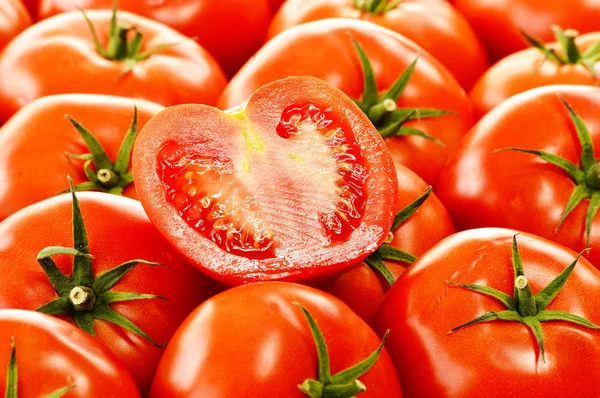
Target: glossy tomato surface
x=252, y=340
x=324, y=49
x=58, y=56
x=498, y=358
x=118, y=231
x=52, y=354
x=13, y=20
x=436, y=26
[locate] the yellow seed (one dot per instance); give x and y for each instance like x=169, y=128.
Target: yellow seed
x=330, y=133
x=341, y=215
x=183, y=162
x=345, y=166
x=189, y=175
x=205, y=202
x=192, y=191
x=340, y=149
x=346, y=203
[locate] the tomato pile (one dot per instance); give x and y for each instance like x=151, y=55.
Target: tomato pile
x=300, y=198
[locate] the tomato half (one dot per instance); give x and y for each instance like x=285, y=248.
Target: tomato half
x=51, y=355
x=211, y=354
x=295, y=185
x=13, y=20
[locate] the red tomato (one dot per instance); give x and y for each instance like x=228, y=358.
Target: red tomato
x=38, y=136
x=230, y=30
x=434, y=25
x=276, y=4
x=499, y=358
x=498, y=23
x=117, y=231
x=58, y=56
x=295, y=185
x=253, y=338
x=13, y=20
x=52, y=354
x=324, y=49
x=511, y=189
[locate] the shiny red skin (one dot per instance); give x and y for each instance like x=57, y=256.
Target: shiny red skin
x=252, y=340
x=497, y=359
x=497, y=23
x=58, y=56
x=37, y=137
x=362, y=288
x=324, y=49
x=230, y=30
x=436, y=26
x=13, y=20
x=509, y=189
x=52, y=354
x=529, y=69
x=276, y=4
x=118, y=231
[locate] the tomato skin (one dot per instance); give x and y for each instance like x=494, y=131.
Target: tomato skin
x=517, y=190
x=118, y=231
x=42, y=62
x=13, y=20
x=496, y=359
x=210, y=355
x=434, y=25
x=333, y=58
x=83, y=362
x=497, y=23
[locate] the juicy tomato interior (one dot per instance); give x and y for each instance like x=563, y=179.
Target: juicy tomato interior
x=320, y=160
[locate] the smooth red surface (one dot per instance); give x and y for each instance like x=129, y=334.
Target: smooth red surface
x=13, y=20
x=118, y=231
x=52, y=354
x=324, y=49
x=509, y=189
x=58, y=56
x=253, y=339
x=496, y=359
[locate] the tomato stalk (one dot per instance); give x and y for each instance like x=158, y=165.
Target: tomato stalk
x=376, y=6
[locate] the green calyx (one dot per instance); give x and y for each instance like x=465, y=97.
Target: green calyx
x=84, y=296
x=383, y=111
x=12, y=378
x=343, y=384
x=525, y=307
x=109, y=177
x=586, y=177
x=376, y=6
x=387, y=252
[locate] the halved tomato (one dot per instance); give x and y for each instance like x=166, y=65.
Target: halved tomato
x=295, y=185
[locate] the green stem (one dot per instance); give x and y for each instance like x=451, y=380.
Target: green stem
x=526, y=303
x=82, y=298
x=380, y=110
x=592, y=177
x=108, y=178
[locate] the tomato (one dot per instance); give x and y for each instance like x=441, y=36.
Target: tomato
x=362, y=288
x=276, y=4
x=573, y=62
x=210, y=353
x=134, y=311
x=498, y=23
x=230, y=30
x=13, y=20
x=482, y=187
x=295, y=185
x=526, y=345
x=58, y=56
x=436, y=26
x=52, y=355
x=325, y=49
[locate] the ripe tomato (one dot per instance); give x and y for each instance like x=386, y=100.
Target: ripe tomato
x=13, y=20
x=573, y=62
x=436, y=26
x=230, y=30
x=276, y=4
x=118, y=231
x=211, y=354
x=498, y=23
x=481, y=187
x=51, y=355
x=38, y=137
x=325, y=49
x=295, y=185
x=513, y=356
x=59, y=56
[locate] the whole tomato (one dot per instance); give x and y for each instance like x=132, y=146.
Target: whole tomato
x=499, y=23
x=100, y=264
x=436, y=26
x=255, y=340
x=51, y=356
x=523, y=167
x=13, y=20
x=325, y=49
x=59, y=56
x=485, y=313
x=230, y=30
x=47, y=146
